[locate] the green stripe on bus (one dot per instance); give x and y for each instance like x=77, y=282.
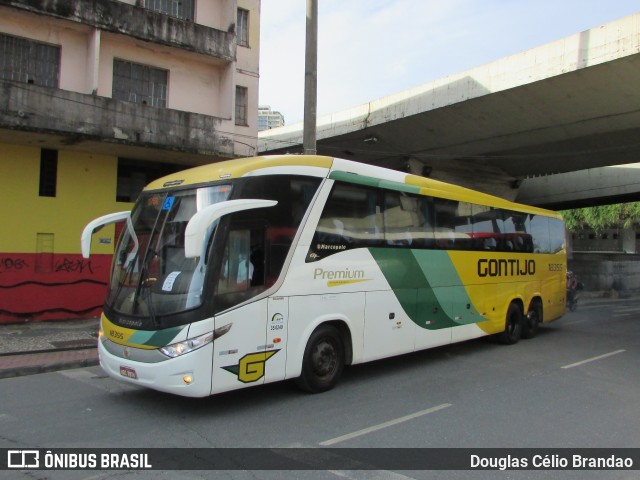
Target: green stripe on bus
x=373, y=182
x=155, y=338
x=412, y=274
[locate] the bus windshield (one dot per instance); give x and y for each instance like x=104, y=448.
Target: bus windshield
x=150, y=274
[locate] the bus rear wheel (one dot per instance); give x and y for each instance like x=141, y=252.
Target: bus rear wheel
x=513, y=326
x=532, y=321
x=323, y=361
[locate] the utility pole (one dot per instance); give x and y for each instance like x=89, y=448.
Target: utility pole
x=310, y=79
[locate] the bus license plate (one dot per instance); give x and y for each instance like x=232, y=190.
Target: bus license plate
x=128, y=372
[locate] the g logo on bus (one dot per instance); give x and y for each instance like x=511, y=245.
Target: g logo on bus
x=251, y=367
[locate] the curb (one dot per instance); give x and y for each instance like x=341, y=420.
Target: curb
x=43, y=362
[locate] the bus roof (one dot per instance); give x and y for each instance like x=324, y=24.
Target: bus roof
x=339, y=169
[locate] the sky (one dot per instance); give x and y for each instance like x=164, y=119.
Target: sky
x=368, y=49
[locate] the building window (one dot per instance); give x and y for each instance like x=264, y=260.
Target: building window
x=137, y=83
x=242, y=105
x=242, y=28
x=134, y=175
x=27, y=61
x=48, y=172
x=182, y=9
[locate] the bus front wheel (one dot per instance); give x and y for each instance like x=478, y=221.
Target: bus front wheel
x=323, y=360
x=513, y=326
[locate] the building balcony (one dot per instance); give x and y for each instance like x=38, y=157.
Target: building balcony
x=143, y=24
x=60, y=119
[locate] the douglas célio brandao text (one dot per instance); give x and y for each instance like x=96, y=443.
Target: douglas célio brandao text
x=550, y=462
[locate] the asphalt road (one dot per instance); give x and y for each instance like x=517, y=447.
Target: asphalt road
x=576, y=385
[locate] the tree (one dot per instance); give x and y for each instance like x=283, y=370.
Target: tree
x=598, y=218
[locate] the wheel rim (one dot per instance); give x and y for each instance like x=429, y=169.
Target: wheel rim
x=324, y=358
x=513, y=325
x=511, y=328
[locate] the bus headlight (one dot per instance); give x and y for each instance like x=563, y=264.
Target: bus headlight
x=177, y=349
x=180, y=348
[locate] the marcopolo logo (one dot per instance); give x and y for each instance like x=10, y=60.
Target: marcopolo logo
x=505, y=267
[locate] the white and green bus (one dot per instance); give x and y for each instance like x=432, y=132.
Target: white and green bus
x=263, y=269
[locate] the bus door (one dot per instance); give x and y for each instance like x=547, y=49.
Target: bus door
x=240, y=354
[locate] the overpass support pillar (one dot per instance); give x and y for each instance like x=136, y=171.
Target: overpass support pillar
x=629, y=240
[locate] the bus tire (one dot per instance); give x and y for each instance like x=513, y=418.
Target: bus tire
x=531, y=321
x=513, y=326
x=323, y=360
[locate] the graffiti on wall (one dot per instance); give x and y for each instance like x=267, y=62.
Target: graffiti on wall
x=9, y=264
x=69, y=287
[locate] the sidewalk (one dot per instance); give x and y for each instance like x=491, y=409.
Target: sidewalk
x=38, y=347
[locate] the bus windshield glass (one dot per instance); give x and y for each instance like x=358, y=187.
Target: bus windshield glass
x=150, y=274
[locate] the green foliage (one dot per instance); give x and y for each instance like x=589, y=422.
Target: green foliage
x=598, y=218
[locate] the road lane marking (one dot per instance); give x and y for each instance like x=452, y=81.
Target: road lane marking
x=574, y=322
x=600, y=357
x=358, y=470
x=380, y=426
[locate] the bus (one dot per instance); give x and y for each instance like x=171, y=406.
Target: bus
x=257, y=270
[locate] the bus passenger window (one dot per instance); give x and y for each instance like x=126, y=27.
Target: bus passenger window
x=403, y=220
x=352, y=218
x=237, y=270
x=242, y=270
x=538, y=226
x=445, y=223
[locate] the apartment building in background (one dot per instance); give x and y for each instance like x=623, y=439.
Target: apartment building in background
x=98, y=98
x=268, y=118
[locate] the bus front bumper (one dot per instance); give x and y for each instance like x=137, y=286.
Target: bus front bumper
x=188, y=375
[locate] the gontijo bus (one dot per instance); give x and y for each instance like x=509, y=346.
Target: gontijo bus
x=262, y=269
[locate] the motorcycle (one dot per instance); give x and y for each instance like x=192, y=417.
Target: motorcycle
x=573, y=291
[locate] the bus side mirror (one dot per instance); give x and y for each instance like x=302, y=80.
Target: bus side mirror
x=194, y=235
x=98, y=223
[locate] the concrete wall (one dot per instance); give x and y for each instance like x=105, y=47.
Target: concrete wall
x=32, y=108
x=607, y=272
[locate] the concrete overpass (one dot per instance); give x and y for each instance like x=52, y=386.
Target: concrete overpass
x=583, y=188
x=567, y=106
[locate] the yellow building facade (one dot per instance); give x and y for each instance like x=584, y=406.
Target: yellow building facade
x=79, y=138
